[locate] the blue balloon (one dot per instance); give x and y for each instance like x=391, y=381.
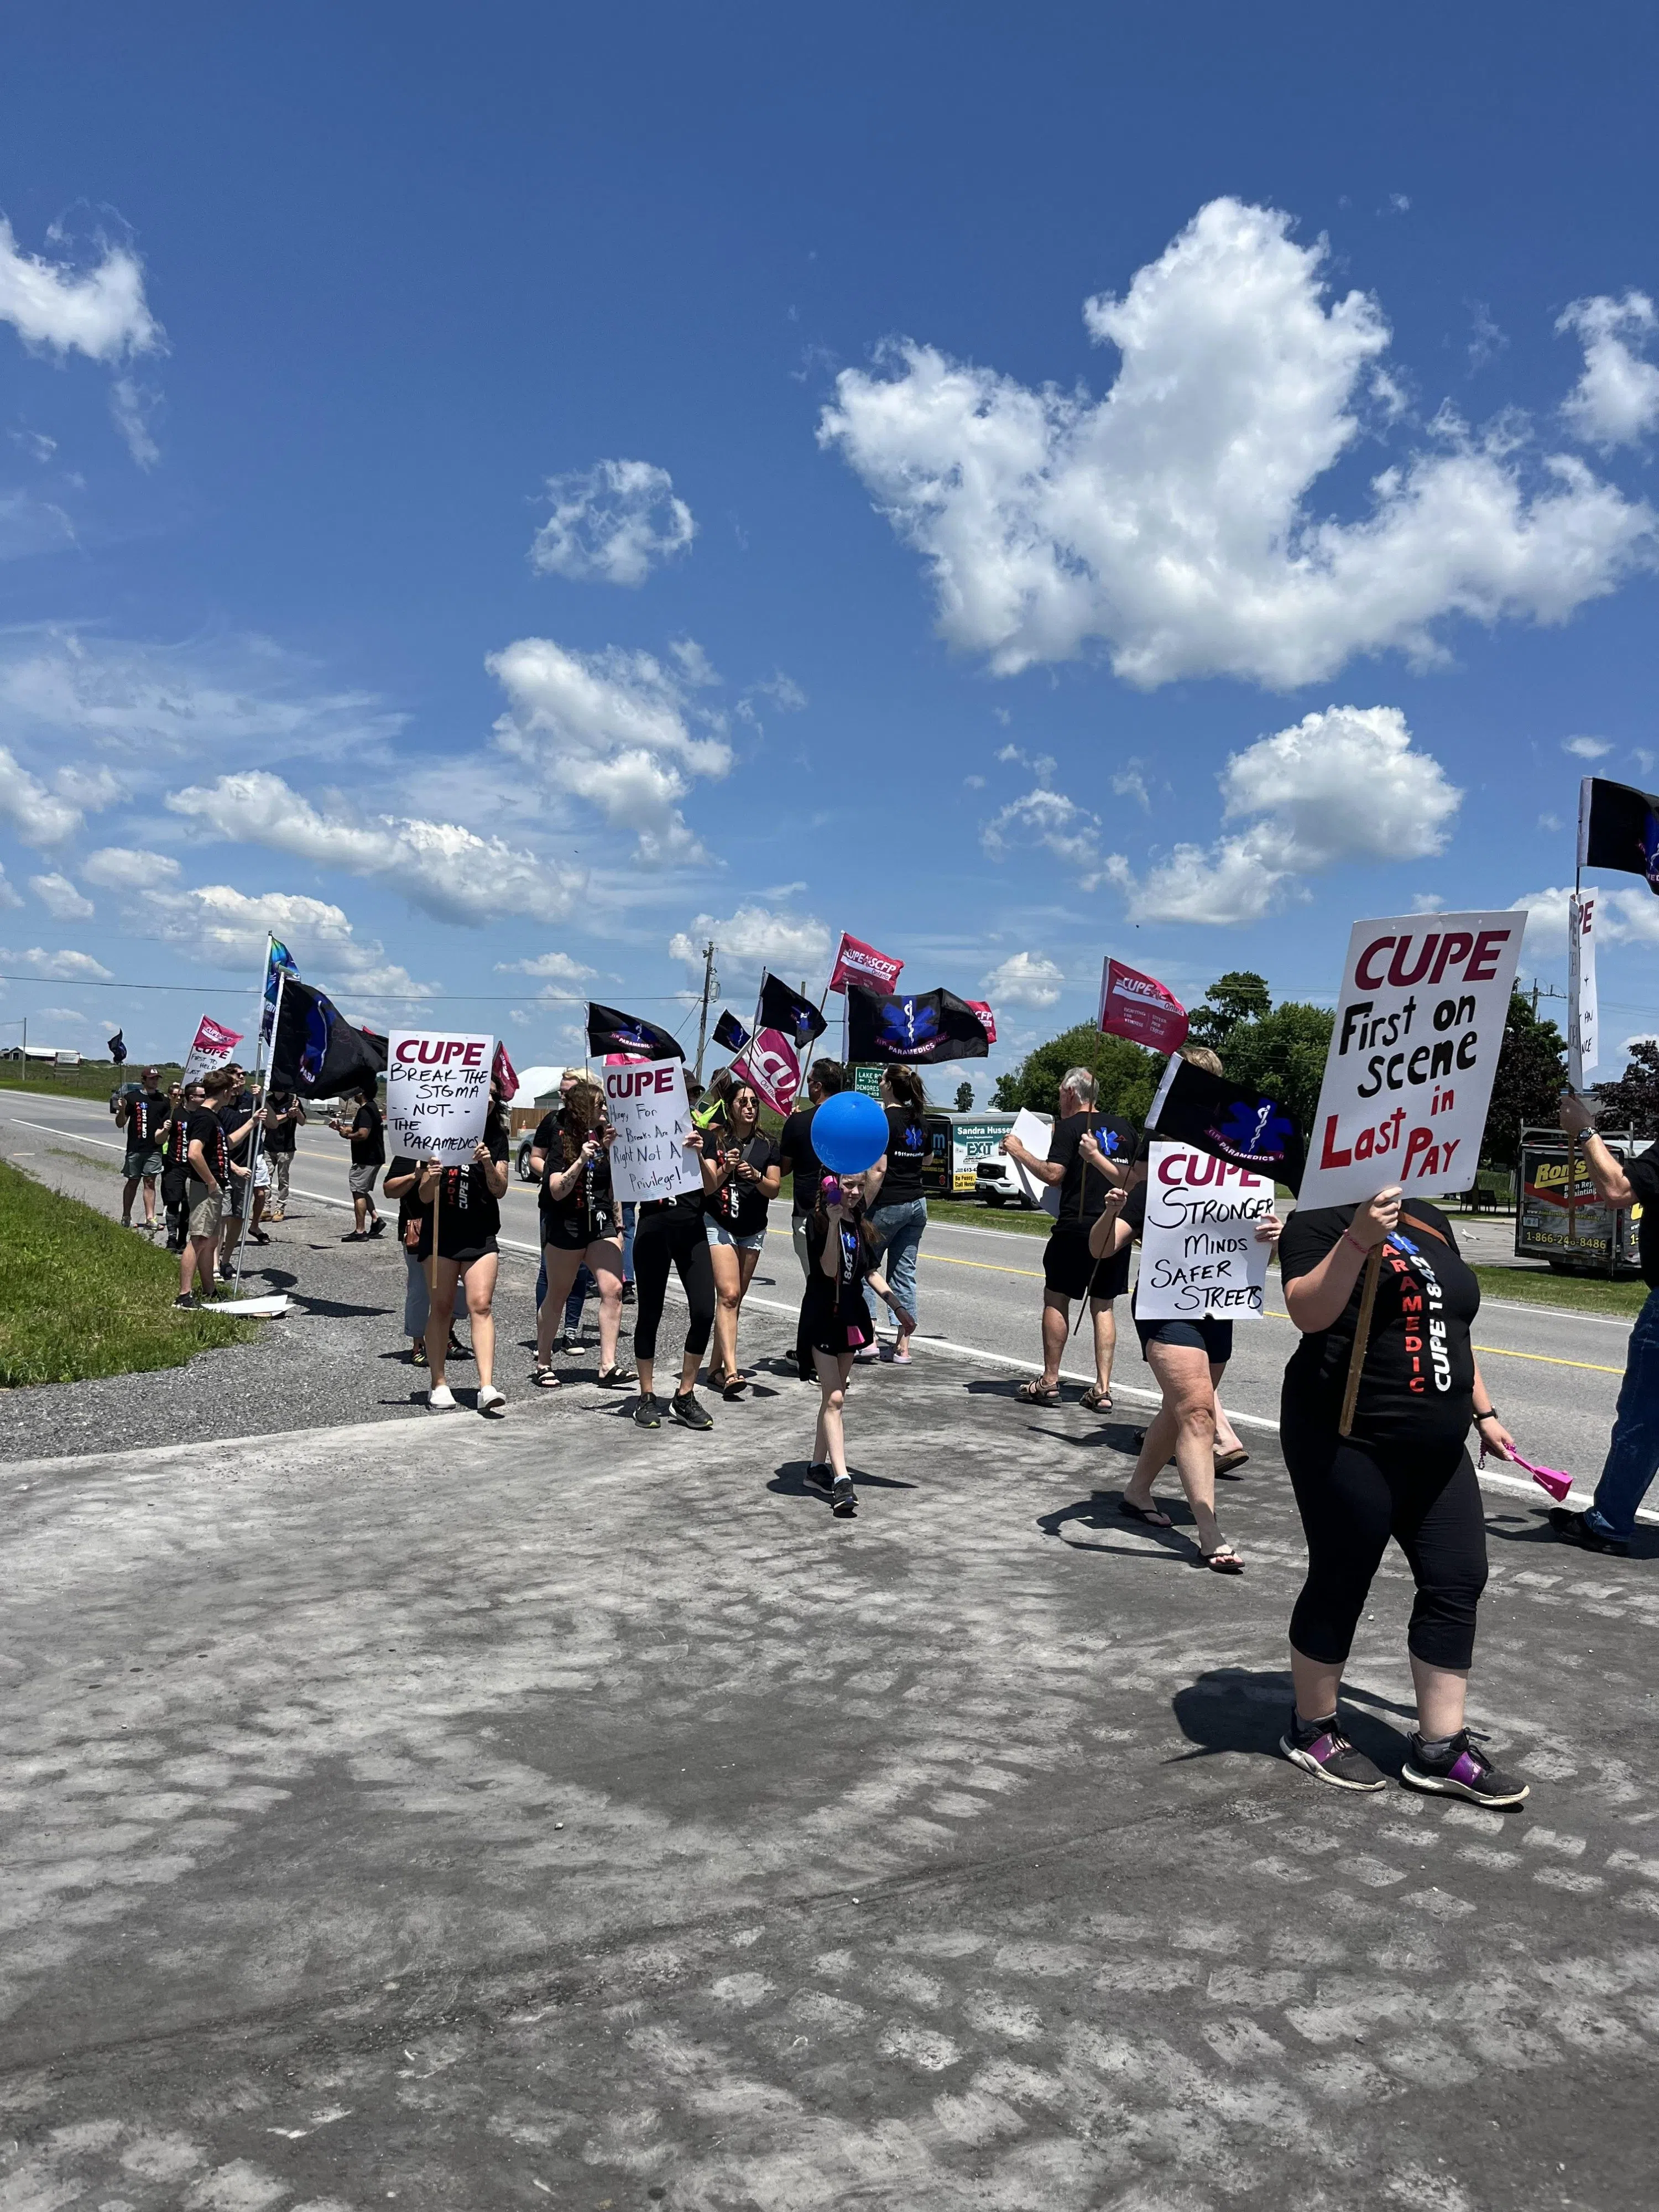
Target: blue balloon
x=849, y=1133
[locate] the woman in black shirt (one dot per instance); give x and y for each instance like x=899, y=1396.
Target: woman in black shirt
x=466, y=1203
x=899, y=1213
x=1404, y=1470
x=840, y=1249
x=580, y=1221
x=741, y=1173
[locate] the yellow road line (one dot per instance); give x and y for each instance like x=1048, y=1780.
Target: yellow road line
x=1502, y=1351
x=989, y=1266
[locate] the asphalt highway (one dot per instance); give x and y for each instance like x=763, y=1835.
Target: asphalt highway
x=1554, y=1374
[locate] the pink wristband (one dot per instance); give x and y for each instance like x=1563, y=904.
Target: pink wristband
x=1364, y=1250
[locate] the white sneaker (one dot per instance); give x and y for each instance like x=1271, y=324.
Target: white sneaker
x=440, y=1399
x=492, y=1400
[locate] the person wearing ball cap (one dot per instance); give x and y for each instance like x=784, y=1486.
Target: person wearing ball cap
x=849, y=1134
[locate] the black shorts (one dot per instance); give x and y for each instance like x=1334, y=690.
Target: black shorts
x=568, y=1232
x=468, y=1253
x=1071, y=1270
x=1204, y=1334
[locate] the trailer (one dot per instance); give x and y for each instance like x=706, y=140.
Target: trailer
x=957, y=1144
x=1571, y=1226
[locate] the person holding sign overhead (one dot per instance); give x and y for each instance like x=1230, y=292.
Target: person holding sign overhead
x=1398, y=1466
x=580, y=1217
x=464, y=1200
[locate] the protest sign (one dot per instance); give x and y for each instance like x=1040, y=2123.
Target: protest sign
x=1140, y=1008
x=214, y=1046
x=1583, y=1011
x=652, y=1121
x=1408, y=1079
x=1035, y=1135
x=861, y=964
x=1199, y=1253
x=437, y=1093
x=773, y=1066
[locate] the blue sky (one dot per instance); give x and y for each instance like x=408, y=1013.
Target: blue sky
x=495, y=493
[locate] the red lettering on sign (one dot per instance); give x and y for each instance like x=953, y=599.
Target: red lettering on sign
x=1483, y=961
x=1372, y=983
x=1329, y=1156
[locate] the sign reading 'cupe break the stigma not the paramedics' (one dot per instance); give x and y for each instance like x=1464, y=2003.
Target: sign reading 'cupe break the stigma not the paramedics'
x=437, y=1093
x=1199, y=1253
x=652, y=1117
x=1418, y=1029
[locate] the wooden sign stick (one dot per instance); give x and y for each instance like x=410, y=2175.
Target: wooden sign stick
x=1361, y=1338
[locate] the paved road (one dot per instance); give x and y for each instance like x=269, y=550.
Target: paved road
x=1554, y=1374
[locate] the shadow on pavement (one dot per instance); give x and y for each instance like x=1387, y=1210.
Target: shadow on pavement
x=790, y=1481
x=1232, y=1709
x=1173, y=1545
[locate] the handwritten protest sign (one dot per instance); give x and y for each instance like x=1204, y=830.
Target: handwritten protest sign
x=651, y=1117
x=437, y=1093
x=1409, y=1075
x=1036, y=1136
x=213, y=1046
x=1199, y=1253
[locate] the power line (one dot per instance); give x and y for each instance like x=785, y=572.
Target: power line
x=350, y=990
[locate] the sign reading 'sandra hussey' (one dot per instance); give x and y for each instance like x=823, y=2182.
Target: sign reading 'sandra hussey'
x=1408, y=1081
x=437, y=1093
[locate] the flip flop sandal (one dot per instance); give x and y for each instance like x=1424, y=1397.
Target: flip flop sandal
x=1229, y=1462
x=1036, y=1393
x=733, y=1386
x=1149, y=1514
x=545, y=1379
x=1095, y=1400
x=1223, y=1561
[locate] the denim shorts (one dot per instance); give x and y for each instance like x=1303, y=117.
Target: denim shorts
x=720, y=1234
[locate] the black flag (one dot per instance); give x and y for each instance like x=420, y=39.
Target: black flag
x=1234, y=1121
x=1618, y=828
x=730, y=1032
x=610, y=1032
x=118, y=1048
x=315, y=1052
x=786, y=1012
x=923, y=1028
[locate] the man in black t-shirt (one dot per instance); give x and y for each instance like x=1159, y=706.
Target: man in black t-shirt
x=207, y=1165
x=365, y=1134
x=1627, y=1473
x=1089, y=1154
x=824, y=1078
x=143, y=1113
x=284, y=1115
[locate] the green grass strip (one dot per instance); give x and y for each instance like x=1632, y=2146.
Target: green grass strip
x=974, y=1213
x=1567, y=1293
x=81, y=1296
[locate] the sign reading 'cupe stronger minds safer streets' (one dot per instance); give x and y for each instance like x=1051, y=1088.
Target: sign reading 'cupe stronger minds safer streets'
x=1418, y=1029
x=437, y=1093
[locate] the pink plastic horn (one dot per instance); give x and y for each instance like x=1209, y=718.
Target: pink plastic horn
x=1547, y=1477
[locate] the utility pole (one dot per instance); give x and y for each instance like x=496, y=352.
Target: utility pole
x=710, y=987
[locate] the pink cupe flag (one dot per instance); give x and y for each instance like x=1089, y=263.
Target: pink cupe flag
x=1140, y=1008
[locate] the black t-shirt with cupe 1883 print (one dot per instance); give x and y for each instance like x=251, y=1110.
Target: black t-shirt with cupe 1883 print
x=1417, y=1385
x=468, y=1212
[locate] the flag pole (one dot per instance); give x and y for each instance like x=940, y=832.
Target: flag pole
x=259, y=1113
x=1361, y=1340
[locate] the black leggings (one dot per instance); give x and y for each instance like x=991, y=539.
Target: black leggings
x=680, y=1237
x=1352, y=1498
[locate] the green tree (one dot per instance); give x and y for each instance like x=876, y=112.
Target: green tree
x=1283, y=1052
x=1632, y=1102
x=965, y=1097
x=1528, y=1089
x=1241, y=995
x=1127, y=1076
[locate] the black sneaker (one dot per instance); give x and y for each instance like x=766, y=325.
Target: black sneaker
x=842, y=1498
x=647, y=1414
x=1320, y=1748
x=1461, y=1771
x=186, y=1302
x=377, y=1227
x=684, y=1407
x=822, y=1477
x=1575, y=1527
x=355, y=1236
x=628, y=1294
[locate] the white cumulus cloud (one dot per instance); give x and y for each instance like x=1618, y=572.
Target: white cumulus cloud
x=1027, y=978
x=227, y=928
x=100, y=312
x=1616, y=401
x=37, y=816
x=60, y=898
x=128, y=868
x=611, y=523
x=1589, y=749
x=8, y=895
x=613, y=728
x=793, y=946
x=1624, y=916
x=1172, y=519
x=447, y=870
x=553, y=967
x=63, y=966
x=1049, y=819
x=1341, y=785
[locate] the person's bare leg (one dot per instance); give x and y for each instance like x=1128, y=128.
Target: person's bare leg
x=1317, y=1686
x=728, y=1291
x=1226, y=1436
x=1056, y=1320
x=832, y=1428
x=1441, y=1695
x=747, y=1263
x=1105, y=1322
x=149, y=1201
x=445, y=1274
x=604, y=1259
x=1187, y=1380
x=688, y=1367
x=480, y=1313
x=563, y=1268
x=1156, y=1447
x=128, y=1192
x=358, y=1212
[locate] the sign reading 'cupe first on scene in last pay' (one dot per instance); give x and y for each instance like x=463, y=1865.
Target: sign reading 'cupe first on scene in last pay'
x=1418, y=1029
x=437, y=1093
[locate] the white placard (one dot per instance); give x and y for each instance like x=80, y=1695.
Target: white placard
x=1199, y=1253
x=437, y=1093
x=1418, y=1029
x=1036, y=1136
x=652, y=1121
x=1584, y=1012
